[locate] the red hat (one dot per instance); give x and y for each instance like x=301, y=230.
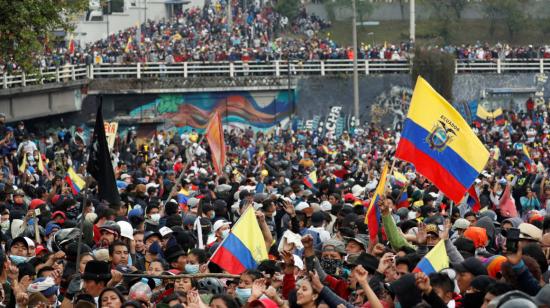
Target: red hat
x=39, y=249
x=264, y=302
x=349, y=197
x=55, y=199
x=59, y=213
x=36, y=203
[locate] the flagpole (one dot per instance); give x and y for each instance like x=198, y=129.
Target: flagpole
x=82, y=206
x=180, y=177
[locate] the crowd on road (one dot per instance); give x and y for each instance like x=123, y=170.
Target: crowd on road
x=320, y=252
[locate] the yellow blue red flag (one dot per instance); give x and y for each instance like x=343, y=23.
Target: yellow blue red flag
x=244, y=248
x=434, y=261
x=372, y=219
x=440, y=143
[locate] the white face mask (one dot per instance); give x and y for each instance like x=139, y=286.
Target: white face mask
x=292, y=196
x=4, y=225
x=225, y=233
x=155, y=217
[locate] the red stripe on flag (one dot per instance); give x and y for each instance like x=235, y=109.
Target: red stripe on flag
x=431, y=169
x=226, y=260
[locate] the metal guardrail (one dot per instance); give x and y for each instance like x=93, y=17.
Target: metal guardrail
x=236, y=69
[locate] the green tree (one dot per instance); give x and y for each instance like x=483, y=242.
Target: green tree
x=511, y=13
x=446, y=14
x=288, y=8
x=26, y=26
x=437, y=68
x=363, y=8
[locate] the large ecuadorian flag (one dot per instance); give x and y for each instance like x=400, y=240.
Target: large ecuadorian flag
x=440, y=144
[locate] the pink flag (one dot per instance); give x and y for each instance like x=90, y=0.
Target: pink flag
x=507, y=204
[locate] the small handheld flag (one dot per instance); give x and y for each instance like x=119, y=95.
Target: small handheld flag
x=75, y=182
x=434, y=261
x=373, y=217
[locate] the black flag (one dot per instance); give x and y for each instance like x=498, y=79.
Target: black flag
x=99, y=162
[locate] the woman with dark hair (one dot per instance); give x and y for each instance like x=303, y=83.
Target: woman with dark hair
x=223, y=300
x=110, y=298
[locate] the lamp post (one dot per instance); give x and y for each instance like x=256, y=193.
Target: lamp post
x=355, y=72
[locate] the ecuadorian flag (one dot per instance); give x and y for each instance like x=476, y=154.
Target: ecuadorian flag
x=75, y=182
x=311, y=179
x=373, y=217
x=244, y=248
x=440, y=144
x=434, y=261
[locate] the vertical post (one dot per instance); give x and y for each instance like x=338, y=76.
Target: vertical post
x=185, y=73
x=138, y=70
x=41, y=77
x=412, y=21
x=73, y=73
x=91, y=71
x=57, y=74
x=290, y=100
x=5, y=81
x=541, y=65
x=23, y=79
x=322, y=68
x=229, y=15
x=499, y=66
x=277, y=68
x=456, y=66
x=355, y=72
x=231, y=69
x=367, y=68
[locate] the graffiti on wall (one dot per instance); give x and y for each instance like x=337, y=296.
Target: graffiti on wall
x=391, y=106
x=182, y=112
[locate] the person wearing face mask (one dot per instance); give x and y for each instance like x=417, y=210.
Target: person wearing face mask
x=220, y=230
x=19, y=250
x=244, y=289
x=152, y=218
x=195, y=260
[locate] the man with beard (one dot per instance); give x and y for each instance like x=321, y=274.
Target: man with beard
x=109, y=232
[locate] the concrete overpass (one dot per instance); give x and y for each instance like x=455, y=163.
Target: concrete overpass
x=65, y=89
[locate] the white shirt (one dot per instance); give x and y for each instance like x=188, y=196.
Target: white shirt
x=324, y=235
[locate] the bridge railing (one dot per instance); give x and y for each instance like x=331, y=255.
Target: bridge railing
x=235, y=69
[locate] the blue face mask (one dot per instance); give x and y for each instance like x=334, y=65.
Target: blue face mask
x=243, y=294
x=191, y=268
x=157, y=281
x=18, y=259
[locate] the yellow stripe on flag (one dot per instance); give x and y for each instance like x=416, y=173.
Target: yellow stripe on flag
x=428, y=107
x=248, y=231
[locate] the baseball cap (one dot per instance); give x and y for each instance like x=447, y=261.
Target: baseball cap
x=220, y=223
x=461, y=224
x=470, y=265
x=164, y=231
x=334, y=245
x=433, y=229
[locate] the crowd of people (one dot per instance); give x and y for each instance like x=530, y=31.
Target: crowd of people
x=256, y=34
x=320, y=252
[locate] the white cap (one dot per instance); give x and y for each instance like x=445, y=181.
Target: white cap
x=434, y=195
x=126, y=229
x=326, y=206
x=357, y=190
x=301, y=206
x=220, y=223
x=149, y=185
x=124, y=176
x=30, y=242
x=164, y=231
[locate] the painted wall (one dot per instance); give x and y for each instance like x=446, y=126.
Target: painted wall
x=324, y=102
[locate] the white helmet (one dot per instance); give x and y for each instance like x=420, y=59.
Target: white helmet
x=126, y=229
